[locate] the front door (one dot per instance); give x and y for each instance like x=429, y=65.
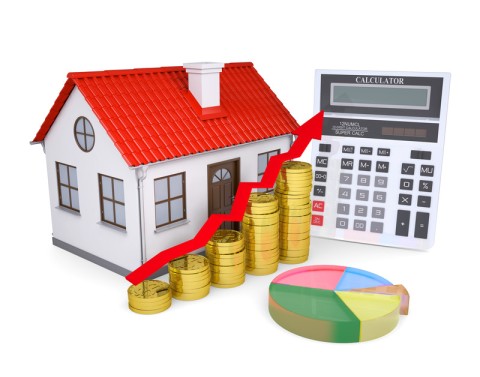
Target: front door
x=223, y=181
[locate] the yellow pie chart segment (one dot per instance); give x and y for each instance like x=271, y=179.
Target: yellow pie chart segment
x=378, y=314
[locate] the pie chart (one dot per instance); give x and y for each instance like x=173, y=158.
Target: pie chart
x=336, y=303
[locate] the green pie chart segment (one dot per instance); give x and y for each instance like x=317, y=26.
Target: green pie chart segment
x=313, y=313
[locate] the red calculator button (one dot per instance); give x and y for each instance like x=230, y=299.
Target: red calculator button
x=317, y=220
x=318, y=206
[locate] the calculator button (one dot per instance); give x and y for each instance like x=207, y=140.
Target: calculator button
x=343, y=209
x=405, y=199
x=319, y=190
x=317, y=220
x=318, y=206
x=383, y=151
x=425, y=186
x=420, y=155
x=421, y=225
x=359, y=225
x=321, y=176
x=378, y=212
x=362, y=195
x=344, y=193
x=379, y=196
x=427, y=170
x=381, y=181
x=363, y=180
x=325, y=148
x=347, y=163
x=403, y=222
x=406, y=184
x=408, y=169
x=366, y=150
x=382, y=166
x=361, y=211
x=364, y=165
x=345, y=179
x=376, y=227
x=348, y=149
x=342, y=223
x=424, y=201
x=321, y=162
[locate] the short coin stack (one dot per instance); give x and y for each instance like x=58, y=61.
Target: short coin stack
x=292, y=188
x=260, y=230
x=189, y=277
x=149, y=297
x=226, y=253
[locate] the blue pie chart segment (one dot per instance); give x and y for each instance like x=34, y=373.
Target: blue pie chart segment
x=354, y=278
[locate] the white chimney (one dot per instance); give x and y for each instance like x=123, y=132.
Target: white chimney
x=204, y=82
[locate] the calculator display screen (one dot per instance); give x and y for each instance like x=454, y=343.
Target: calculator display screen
x=383, y=96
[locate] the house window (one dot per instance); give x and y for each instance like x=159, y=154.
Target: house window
x=67, y=186
x=112, y=200
x=84, y=135
x=170, y=199
x=263, y=159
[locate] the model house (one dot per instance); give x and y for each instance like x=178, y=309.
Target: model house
x=138, y=159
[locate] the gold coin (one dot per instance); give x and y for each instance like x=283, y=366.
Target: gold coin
x=228, y=260
x=232, y=285
x=226, y=237
x=188, y=264
x=228, y=280
x=153, y=311
x=173, y=276
x=191, y=296
x=259, y=229
x=294, y=236
x=294, y=185
x=236, y=269
x=261, y=247
x=260, y=221
x=287, y=253
x=295, y=219
x=271, y=216
x=182, y=286
x=150, y=306
x=293, y=202
x=223, y=250
x=260, y=211
x=260, y=199
x=148, y=290
x=190, y=288
x=294, y=212
x=296, y=166
x=294, y=228
x=263, y=270
x=287, y=260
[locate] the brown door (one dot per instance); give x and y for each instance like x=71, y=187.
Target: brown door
x=223, y=181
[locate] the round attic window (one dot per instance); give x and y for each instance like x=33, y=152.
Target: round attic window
x=84, y=135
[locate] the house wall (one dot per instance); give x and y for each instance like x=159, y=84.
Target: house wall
x=85, y=231
x=195, y=168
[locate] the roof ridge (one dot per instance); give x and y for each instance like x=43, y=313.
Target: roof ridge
x=123, y=72
x=136, y=71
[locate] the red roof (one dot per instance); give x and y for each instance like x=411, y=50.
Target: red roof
x=150, y=116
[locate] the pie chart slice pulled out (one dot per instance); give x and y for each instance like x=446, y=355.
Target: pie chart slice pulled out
x=319, y=302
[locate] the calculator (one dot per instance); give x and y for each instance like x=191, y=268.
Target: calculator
x=378, y=166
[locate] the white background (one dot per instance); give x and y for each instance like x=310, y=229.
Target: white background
x=63, y=316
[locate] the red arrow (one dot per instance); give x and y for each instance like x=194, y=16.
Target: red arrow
x=312, y=129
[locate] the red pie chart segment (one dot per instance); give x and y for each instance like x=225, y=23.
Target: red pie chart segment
x=323, y=277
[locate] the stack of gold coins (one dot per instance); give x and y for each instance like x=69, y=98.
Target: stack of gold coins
x=292, y=188
x=260, y=230
x=226, y=253
x=189, y=277
x=149, y=297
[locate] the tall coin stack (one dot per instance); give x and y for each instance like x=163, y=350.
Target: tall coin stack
x=189, y=277
x=226, y=253
x=260, y=230
x=149, y=297
x=292, y=188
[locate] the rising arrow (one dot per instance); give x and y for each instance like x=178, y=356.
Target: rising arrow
x=312, y=129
